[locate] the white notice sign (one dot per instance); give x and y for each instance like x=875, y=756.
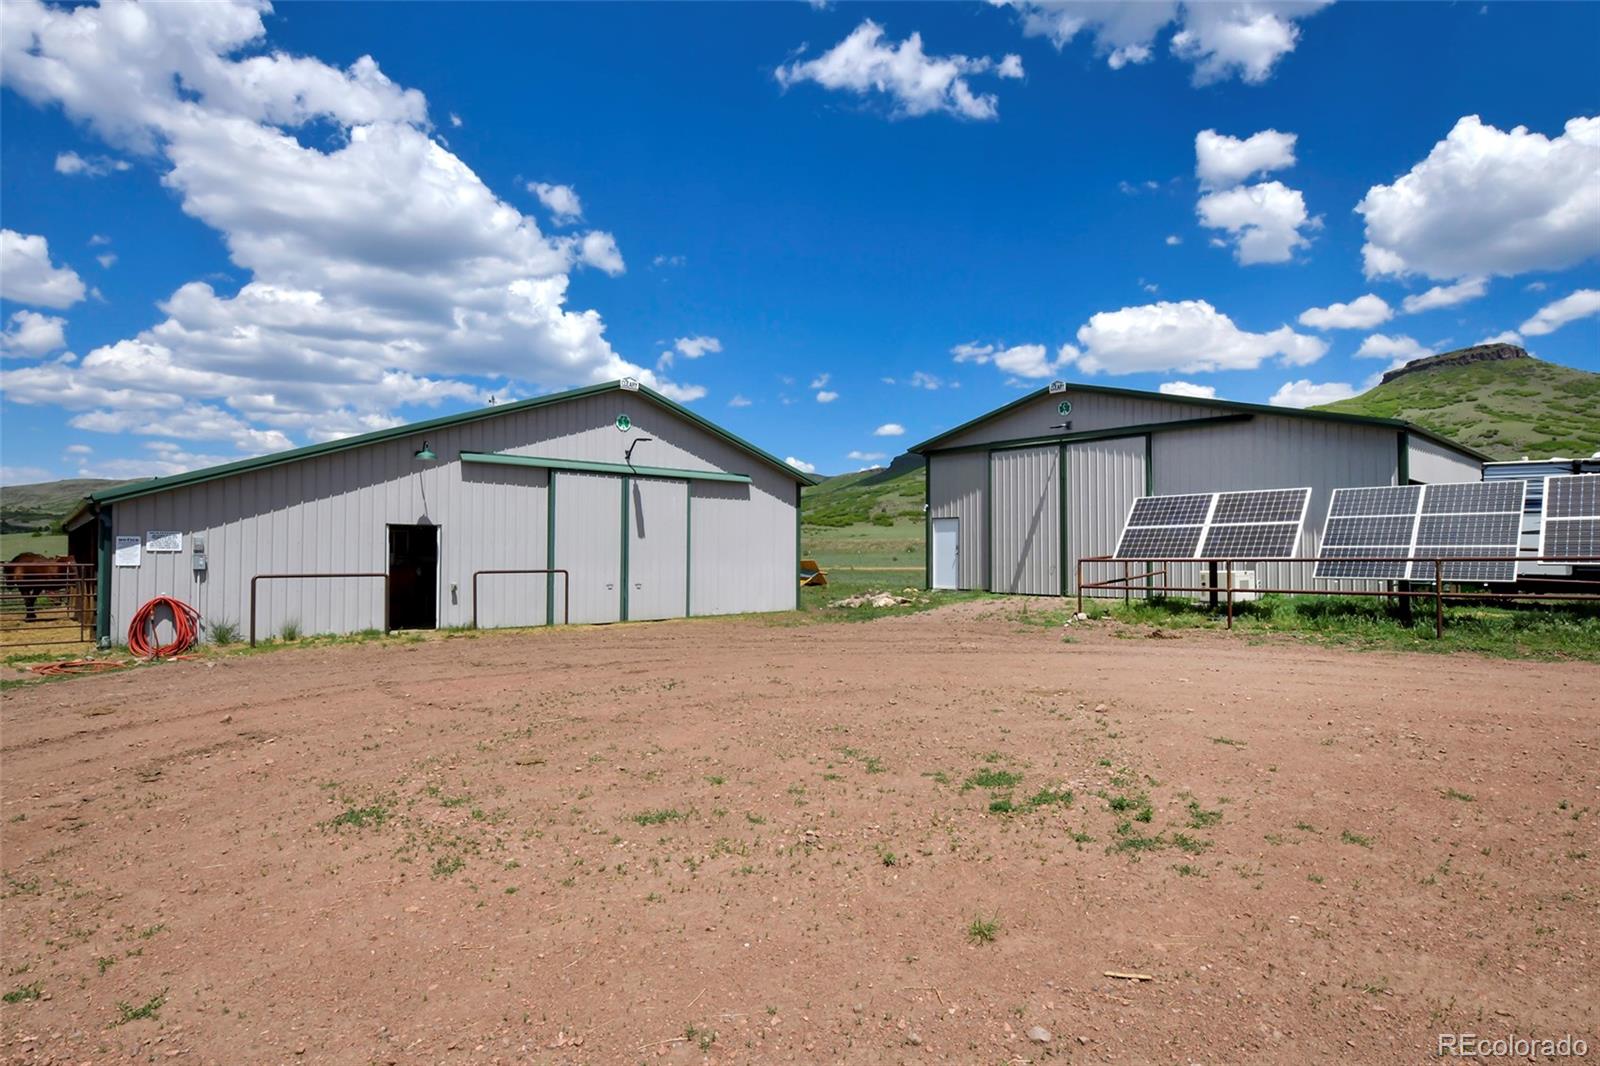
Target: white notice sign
x=157, y=540
x=127, y=551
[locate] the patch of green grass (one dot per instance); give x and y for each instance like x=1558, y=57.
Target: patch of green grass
x=991, y=778
x=1452, y=794
x=361, y=817
x=290, y=631
x=1001, y=805
x=702, y=1038
x=983, y=930
x=1050, y=797
x=659, y=817
x=148, y=1009
x=1188, y=870
x=1229, y=741
x=1545, y=631
x=223, y=632
x=1192, y=845
x=447, y=865
x=1355, y=838
x=1200, y=818
x=23, y=993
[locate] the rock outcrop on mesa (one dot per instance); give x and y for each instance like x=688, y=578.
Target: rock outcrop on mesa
x=1478, y=353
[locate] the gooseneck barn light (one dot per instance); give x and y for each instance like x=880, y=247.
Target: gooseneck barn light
x=425, y=454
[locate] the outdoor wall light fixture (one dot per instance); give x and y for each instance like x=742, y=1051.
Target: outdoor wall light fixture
x=426, y=454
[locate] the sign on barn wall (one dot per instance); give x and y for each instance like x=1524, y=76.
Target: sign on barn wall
x=163, y=540
x=127, y=553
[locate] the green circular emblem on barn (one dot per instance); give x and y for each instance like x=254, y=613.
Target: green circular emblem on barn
x=624, y=423
x=1064, y=407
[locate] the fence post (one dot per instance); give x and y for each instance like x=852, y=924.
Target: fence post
x=1230, y=595
x=1438, y=600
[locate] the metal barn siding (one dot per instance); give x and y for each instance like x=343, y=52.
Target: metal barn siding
x=589, y=543
x=1025, y=520
x=330, y=513
x=1091, y=411
x=658, y=548
x=1433, y=463
x=1104, y=477
x=1267, y=453
x=747, y=531
x=956, y=483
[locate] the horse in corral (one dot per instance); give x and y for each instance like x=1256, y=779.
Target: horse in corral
x=33, y=575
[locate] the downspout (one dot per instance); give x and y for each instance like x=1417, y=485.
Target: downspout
x=102, y=576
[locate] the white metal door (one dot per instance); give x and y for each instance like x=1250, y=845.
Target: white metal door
x=658, y=548
x=946, y=553
x=589, y=543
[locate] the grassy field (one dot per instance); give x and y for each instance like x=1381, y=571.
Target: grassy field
x=43, y=543
x=1510, y=408
x=1513, y=631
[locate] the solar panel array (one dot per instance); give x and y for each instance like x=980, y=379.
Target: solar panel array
x=1260, y=524
x=1419, y=523
x=1570, y=528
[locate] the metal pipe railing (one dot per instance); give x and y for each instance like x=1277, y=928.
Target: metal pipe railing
x=1437, y=593
x=566, y=590
x=287, y=577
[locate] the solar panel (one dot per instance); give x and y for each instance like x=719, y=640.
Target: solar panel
x=1570, y=528
x=1421, y=522
x=1257, y=524
x=1273, y=540
x=1380, y=499
x=1465, y=519
x=1336, y=562
x=1158, y=542
x=1572, y=496
x=1170, y=510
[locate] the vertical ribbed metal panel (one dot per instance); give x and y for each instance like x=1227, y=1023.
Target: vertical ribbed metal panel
x=658, y=545
x=1026, y=520
x=1104, y=477
x=1432, y=463
x=956, y=483
x=332, y=513
x=589, y=543
x=1270, y=453
x=1090, y=411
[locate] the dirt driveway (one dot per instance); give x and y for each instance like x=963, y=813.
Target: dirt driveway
x=737, y=842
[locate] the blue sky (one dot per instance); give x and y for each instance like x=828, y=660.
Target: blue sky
x=229, y=230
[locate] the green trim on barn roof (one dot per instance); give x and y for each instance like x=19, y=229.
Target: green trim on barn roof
x=931, y=444
x=590, y=466
x=263, y=462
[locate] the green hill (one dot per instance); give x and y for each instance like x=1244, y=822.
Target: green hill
x=41, y=507
x=879, y=496
x=1506, y=405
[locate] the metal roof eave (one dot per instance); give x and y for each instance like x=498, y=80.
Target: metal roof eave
x=931, y=444
x=594, y=467
x=312, y=451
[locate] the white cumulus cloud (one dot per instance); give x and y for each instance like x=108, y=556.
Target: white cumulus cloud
x=1187, y=388
x=1363, y=312
x=560, y=200
x=800, y=465
x=1221, y=40
x=1188, y=336
x=1400, y=348
x=1019, y=360
x=1264, y=221
x=27, y=275
x=1222, y=161
x=915, y=82
x=890, y=429
x=93, y=167
x=1581, y=304
x=739, y=401
x=1489, y=202
x=33, y=334
x=381, y=272
x=1305, y=393
x=1446, y=295
x=695, y=347
x=866, y=457
x=825, y=396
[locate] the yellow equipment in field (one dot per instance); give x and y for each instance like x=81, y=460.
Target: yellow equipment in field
x=811, y=573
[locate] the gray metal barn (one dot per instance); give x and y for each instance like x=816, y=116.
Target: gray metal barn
x=653, y=511
x=1017, y=496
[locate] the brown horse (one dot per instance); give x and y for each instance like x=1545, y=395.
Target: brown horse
x=34, y=575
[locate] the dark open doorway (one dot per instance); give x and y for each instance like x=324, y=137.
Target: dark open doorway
x=413, y=577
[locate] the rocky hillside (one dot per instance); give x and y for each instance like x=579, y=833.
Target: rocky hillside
x=1494, y=397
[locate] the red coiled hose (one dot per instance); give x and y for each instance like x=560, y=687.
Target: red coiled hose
x=141, y=631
